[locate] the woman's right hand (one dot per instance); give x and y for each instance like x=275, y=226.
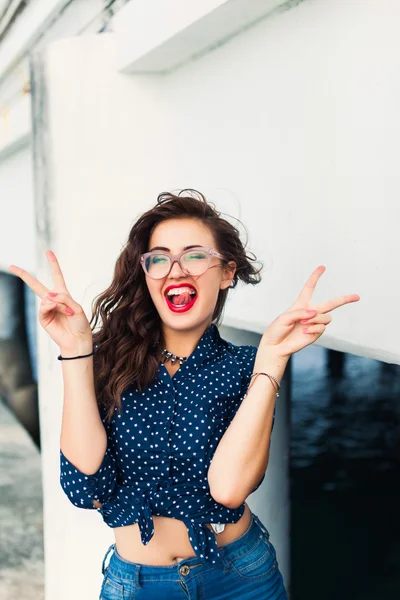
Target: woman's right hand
x=69, y=330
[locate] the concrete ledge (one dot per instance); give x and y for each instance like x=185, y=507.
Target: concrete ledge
x=36, y=15
x=154, y=36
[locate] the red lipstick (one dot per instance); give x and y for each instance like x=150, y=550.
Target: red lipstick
x=179, y=309
x=175, y=285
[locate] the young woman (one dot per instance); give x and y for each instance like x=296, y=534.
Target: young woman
x=166, y=426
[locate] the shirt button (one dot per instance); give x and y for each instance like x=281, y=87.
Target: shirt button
x=136, y=500
x=184, y=570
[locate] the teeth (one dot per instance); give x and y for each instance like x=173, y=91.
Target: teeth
x=181, y=290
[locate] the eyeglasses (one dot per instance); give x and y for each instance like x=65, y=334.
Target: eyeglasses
x=195, y=261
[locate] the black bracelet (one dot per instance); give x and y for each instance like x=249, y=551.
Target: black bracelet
x=73, y=357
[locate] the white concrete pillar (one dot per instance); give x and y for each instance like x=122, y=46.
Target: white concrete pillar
x=271, y=502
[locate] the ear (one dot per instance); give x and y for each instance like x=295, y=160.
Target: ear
x=228, y=275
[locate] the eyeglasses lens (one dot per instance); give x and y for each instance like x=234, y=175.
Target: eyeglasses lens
x=194, y=262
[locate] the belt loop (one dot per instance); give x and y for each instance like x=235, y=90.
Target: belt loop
x=105, y=557
x=261, y=525
x=137, y=576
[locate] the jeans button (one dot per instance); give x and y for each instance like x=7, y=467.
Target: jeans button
x=184, y=570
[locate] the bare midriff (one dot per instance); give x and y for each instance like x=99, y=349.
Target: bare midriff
x=170, y=542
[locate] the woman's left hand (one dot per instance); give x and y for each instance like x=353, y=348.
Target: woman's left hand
x=286, y=334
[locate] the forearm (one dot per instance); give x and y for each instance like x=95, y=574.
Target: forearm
x=242, y=454
x=83, y=437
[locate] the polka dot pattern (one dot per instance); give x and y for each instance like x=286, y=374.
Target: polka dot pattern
x=161, y=444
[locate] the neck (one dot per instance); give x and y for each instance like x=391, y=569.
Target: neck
x=182, y=342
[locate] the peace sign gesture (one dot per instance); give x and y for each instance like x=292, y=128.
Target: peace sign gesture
x=63, y=318
x=302, y=324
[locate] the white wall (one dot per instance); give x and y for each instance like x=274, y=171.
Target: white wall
x=17, y=223
x=306, y=144
x=40, y=22
x=297, y=119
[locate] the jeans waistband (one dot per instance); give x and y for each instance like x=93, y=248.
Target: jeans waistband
x=188, y=567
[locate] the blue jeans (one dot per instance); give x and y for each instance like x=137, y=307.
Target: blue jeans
x=250, y=571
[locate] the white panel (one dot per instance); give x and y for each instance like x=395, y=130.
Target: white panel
x=15, y=125
x=17, y=225
x=154, y=36
x=271, y=502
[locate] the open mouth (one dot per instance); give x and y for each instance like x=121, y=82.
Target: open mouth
x=181, y=298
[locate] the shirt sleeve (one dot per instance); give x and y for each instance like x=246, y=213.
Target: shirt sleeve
x=247, y=357
x=80, y=488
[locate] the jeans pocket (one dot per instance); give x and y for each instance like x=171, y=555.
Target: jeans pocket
x=115, y=588
x=258, y=563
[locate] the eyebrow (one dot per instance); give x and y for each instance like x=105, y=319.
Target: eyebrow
x=168, y=250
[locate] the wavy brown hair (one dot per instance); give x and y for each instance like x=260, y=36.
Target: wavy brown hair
x=125, y=345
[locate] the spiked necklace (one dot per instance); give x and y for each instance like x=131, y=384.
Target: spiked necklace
x=166, y=355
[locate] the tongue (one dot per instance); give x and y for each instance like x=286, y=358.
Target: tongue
x=184, y=298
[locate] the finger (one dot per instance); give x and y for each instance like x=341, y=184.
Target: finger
x=309, y=287
x=47, y=306
x=314, y=329
x=59, y=306
x=65, y=299
x=329, y=305
x=293, y=316
x=58, y=278
x=62, y=307
x=319, y=318
x=36, y=286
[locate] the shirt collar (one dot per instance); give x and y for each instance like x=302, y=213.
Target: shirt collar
x=205, y=349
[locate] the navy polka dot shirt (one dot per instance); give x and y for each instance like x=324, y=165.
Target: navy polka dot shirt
x=161, y=445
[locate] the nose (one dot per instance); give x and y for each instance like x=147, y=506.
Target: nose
x=176, y=270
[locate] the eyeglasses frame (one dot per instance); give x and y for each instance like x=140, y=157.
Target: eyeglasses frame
x=177, y=258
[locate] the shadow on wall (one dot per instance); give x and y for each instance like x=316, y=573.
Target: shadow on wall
x=18, y=381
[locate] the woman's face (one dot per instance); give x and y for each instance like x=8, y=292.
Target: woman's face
x=175, y=234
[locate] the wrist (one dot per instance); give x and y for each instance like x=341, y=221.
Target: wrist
x=270, y=381
x=80, y=349
x=271, y=364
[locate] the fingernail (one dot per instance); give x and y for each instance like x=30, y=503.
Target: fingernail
x=69, y=310
x=305, y=329
x=304, y=321
x=53, y=294
x=311, y=311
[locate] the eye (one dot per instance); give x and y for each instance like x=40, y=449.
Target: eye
x=158, y=259
x=194, y=256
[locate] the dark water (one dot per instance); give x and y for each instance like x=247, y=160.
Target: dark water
x=345, y=477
